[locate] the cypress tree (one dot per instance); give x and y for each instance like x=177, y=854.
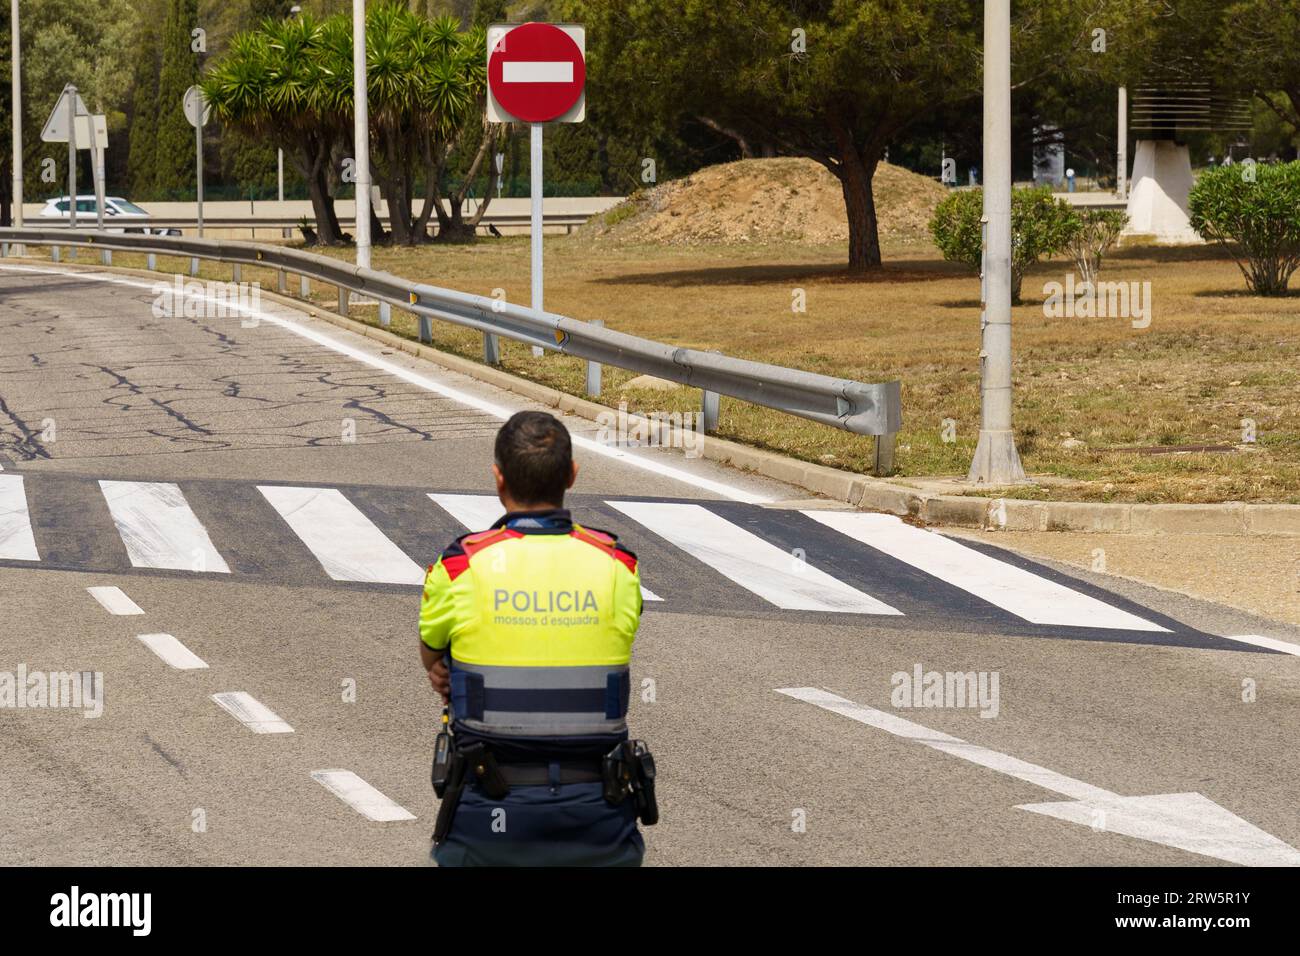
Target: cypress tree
x=143, y=126
x=174, y=138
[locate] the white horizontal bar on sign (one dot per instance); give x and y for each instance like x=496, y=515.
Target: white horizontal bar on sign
x=1023, y=593
x=537, y=71
x=114, y=600
x=777, y=576
x=159, y=529
x=252, y=713
x=17, y=542
x=345, y=542
x=478, y=512
x=172, y=651
x=361, y=796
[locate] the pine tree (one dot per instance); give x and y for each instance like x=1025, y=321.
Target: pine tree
x=174, y=141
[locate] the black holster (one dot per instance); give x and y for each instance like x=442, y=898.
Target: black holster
x=629, y=771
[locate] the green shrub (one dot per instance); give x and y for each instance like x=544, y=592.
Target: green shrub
x=1041, y=226
x=1255, y=211
x=1093, y=233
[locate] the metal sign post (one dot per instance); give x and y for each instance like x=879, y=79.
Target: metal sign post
x=70, y=96
x=196, y=111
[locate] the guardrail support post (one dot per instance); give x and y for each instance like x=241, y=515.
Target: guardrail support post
x=711, y=402
x=281, y=282
x=236, y=272
x=151, y=261
x=304, y=287
x=491, y=349
x=106, y=256
x=426, y=330
x=884, y=457
x=343, y=301
x=4, y=250
x=593, y=369
x=194, y=267
x=385, y=315
x=54, y=253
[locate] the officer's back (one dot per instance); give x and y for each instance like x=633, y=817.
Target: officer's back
x=527, y=628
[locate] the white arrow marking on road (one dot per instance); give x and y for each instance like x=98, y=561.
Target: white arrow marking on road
x=477, y=512
x=1186, y=821
x=361, y=796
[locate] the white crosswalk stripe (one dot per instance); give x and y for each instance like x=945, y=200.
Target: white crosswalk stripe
x=1022, y=593
x=777, y=576
x=16, y=540
x=159, y=529
x=345, y=542
x=477, y=512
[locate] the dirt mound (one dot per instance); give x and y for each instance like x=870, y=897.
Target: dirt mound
x=763, y=200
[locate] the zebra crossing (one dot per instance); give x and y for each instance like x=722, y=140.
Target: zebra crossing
x=697, y=556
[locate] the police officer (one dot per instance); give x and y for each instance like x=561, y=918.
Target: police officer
x=527, y=629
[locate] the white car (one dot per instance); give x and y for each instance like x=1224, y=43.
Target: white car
x=124, y=215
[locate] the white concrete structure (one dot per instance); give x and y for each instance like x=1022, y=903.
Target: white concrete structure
x=1162, y=180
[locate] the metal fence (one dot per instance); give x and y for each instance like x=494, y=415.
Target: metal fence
x=842, y=403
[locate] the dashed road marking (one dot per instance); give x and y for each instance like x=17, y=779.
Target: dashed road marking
x=361, y=796
x=173, y=651
x=252, y=713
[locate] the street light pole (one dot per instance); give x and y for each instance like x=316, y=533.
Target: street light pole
x=16, y=64
x=361, y=131
x=996, y=460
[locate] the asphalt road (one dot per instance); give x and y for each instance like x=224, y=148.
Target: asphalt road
x=262, y=491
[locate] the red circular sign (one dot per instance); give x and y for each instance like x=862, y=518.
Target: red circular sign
x=536, y=72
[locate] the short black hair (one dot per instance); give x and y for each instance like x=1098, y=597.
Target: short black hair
x=535, y=456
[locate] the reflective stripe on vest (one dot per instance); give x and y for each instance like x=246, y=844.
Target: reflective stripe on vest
x=540, y=701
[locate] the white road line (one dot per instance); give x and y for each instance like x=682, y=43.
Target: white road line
x=345, y=542
x=173, y=651
x=251, y=712
x=1187, y=821
x=537, y=71
x=1024, y=594
x=421, y=381
x=892, y=724
x=361, y=796
x=478, y=512
x=114, y=600
x=1272, y=643
x=16, y=540
x=780, y=578
x=158, y=528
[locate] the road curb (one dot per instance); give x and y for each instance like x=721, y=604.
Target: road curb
x=861, y=491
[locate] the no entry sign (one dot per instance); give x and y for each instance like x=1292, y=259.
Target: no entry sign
x=536, y=73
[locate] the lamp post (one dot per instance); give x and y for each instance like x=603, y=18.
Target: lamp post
x=17, y=163
x=996, y=460
x=361, y=131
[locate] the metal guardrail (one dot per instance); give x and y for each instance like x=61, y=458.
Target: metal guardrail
x=842, y=403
